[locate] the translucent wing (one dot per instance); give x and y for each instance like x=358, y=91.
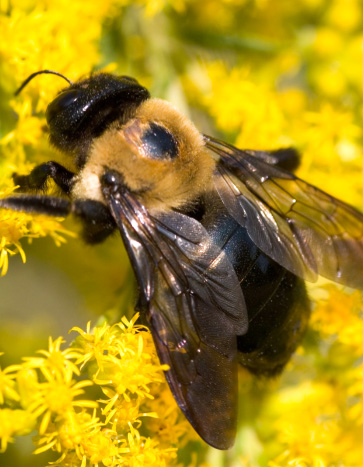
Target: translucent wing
x=195, y=309
x=299, y=226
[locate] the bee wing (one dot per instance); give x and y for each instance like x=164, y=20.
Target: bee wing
x=195, y=309
x=299, y=226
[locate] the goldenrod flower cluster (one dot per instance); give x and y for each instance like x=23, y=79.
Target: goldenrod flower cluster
x=260, y=74
x=48, y=394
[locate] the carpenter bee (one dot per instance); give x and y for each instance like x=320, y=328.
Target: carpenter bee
x=220, y=239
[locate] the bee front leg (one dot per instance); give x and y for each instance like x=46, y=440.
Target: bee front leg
x=96, y=219
x=39, y=176
x=37, y=204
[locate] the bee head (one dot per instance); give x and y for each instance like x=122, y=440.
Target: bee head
x=83, y=110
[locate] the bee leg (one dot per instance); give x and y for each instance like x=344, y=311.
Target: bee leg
x=96, y=219
x=38, y=204
x=286, y=158
x=39, y=176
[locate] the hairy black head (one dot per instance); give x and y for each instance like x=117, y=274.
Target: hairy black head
x=83, y=111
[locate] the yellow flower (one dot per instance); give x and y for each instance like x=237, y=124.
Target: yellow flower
x=101, y=447
x=170, y=426
x=76, y=428
x=338, y=313
x=252, y=110
x=328, y=42
x=16, y=225
x=56, y=361
x=155, y=6
x=73, y=434
x=138, y=451
x=56, y=397
x=14, y=423
x=29, y=127
x=7, y=384
x=126, y=367
x=345, y=14
x=94, y=343
x=310, y=424
x=27, y=385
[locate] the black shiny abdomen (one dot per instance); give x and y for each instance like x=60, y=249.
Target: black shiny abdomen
x=277, y=303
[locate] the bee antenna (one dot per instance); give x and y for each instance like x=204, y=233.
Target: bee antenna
x=29, y=78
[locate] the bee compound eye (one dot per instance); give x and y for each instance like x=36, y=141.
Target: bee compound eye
x=62, y=103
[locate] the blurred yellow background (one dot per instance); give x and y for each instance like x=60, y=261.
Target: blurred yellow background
x=257, y=73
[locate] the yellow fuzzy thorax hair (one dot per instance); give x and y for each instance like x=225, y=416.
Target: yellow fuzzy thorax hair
x=158, y=184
